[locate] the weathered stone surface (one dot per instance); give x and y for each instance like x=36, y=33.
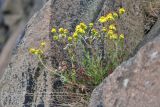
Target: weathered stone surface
x=12, y=13
x=23, y=71
x=154, y=32
x=13, y=17
x=135, y=83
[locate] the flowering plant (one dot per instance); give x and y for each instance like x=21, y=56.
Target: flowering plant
x=95, y=62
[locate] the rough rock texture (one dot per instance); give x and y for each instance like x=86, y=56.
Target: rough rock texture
x=135, y=83
x=152, y=34
x=12, y=13
x=23, y=70
x=13, y=17
x=25, y=82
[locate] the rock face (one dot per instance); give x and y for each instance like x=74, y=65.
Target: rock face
x=135, y=83
x=21, y=75
x=25, y=82
x=12, y=13
x=152, y=34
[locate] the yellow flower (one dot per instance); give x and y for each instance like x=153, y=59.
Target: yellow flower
x=38, y=52
x=114, y=37
x=110, y=32
x=53, y=30
x=65, y=31
x=121, y=36
x=121, y=11
x=109, y=17
x=35, y=51
x=70, y=39
x=43, y=44
x=78, y=27
x=81, y=31
x=75, y=35
x=55, y=38
x=83, y=25
x=91, y=25
x=32, y=50
x=61, y=30
x=81, y=28
x=115, y=15
x=112, y=27
x=102, y=19
x=94, y=32
x=104, y=29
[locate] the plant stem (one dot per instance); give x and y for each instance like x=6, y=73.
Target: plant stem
x=54, y=72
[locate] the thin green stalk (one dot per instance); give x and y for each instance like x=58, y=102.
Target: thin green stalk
x=54, y=72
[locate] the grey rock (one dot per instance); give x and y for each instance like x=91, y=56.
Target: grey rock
x=26, y=73
x=154, y=32
x=12, y=13
x=135, y=83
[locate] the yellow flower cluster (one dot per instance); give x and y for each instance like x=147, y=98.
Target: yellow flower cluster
x=55, y=37
x=61, y=30
x=114, y=36
x=70, y=39
x=111, y=16
x=115, y=15
x=63, y=33
x=75, y=35
x=35, y=51
x=91, y=25
x=108, y=17
x=122, y=11
x=53, y=30
x=102, y=19
x=112, y=27
x=94, y=32
x=111, y=32
x=83, y=25
x=81, y=28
